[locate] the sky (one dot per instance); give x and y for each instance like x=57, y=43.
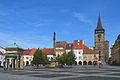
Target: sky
x=31, y=23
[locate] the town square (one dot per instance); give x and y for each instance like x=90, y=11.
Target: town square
x=74, y=73
x=59, y=40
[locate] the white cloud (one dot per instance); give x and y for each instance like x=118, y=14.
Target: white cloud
x=83, y=18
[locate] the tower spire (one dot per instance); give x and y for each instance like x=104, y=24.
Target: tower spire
x=99, y=24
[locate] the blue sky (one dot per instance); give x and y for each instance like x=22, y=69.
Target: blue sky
x=31, y=23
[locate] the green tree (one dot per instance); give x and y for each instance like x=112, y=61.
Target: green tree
x=70, y=58
x=66, y=58
x=39, y=58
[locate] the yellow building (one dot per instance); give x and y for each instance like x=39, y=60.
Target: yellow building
x=88, y=56
x=60, y=48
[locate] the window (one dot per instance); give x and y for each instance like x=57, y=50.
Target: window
x=90, y=57
x=85, y=57
x=26, y=57
x=79, y=52
x=99, y=40
x=99, y=36
x=75, y=57
x=80, y=57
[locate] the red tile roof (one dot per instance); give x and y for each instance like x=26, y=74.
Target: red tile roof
x=61, y=44
x=32, y=52
x=26, y=51
x=69, y=46
x=48, y=51
x=87, y=50
x=29, y=51
x=78, y=44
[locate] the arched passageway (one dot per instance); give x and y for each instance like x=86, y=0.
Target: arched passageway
x=85, y=63
x=27, y=63
x=75, y=63
x=80, y=62
x=90, y=63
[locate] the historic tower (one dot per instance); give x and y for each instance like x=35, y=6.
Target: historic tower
x=99, y=39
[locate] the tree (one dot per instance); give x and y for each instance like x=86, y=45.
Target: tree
x=39, y=58
x=66, y=58
x=70, y=58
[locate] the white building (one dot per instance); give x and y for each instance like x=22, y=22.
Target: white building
x=28, y=56
x=49, y=52
x=2, y=56
x=79, y=56
x=77, y=48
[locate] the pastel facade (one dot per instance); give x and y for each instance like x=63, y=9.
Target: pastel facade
x=88, y=56
x=60, y=47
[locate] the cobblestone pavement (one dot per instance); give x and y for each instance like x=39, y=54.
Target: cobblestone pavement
x=74, y=73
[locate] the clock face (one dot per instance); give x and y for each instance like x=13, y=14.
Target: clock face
x=99, y=36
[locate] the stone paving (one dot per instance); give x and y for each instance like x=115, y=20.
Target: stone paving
x=75, y=73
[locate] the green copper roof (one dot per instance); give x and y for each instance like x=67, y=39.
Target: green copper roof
x=14, y=45
x=11, y=55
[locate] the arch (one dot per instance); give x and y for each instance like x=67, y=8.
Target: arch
x=27, y=63
x=75, y=62
x=90, y=63
x=80, y=62
x=23, y=63
x=85, y=63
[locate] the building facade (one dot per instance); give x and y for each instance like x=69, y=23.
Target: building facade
x=2, y=56
x=88, y=56
x=28, y=56
x=60, y=48
x=77, y=48
x=49, y=52
x=106, y=48
x=115, y=51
